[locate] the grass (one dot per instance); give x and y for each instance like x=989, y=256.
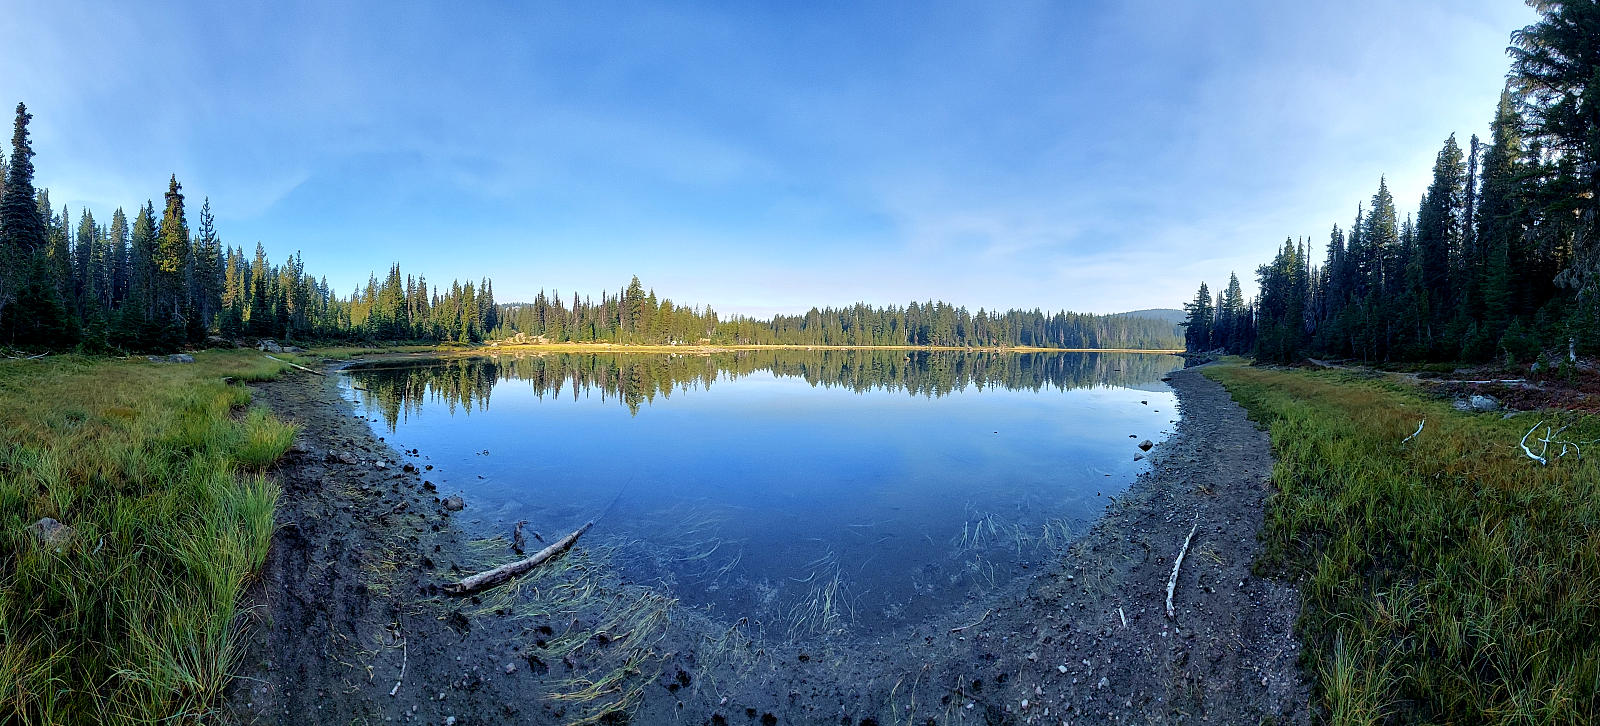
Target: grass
x=157, y=470
x=1450, y=579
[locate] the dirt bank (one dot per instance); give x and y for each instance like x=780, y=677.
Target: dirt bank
x=345, y=606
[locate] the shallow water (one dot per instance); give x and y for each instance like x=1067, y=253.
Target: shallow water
x=809, y=491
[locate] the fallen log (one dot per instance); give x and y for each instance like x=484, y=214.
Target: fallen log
x=1172, y=582
x=498, y=575
x=296, y=365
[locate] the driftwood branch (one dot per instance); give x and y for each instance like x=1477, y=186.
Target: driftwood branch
x=405, y=655
x=1528, y=451
x=485, y=580
x=974, y=623
x=1545, y=442
x=296, y=365
x=1172, y=582
x=1412, y=436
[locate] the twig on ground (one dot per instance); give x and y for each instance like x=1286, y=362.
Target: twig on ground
x=405, y=656
x=973, y=624
x=1172, y=582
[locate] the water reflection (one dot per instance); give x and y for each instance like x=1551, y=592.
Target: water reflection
x=634, y=380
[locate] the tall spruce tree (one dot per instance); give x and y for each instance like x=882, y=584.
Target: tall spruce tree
x=1556, y=69
x=1438, y=231
x=172, y=259
x=1197, y=326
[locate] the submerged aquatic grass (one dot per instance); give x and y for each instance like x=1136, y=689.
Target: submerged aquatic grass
x=128, y=617
x=1449, y=579
x=608, y=631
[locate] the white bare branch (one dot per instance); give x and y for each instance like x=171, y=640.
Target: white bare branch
x=1528, y=451
x=1414, y=435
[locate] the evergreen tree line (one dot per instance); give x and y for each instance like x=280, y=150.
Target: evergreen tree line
x=149, y=283
x=634, y=315
x=1501, y=258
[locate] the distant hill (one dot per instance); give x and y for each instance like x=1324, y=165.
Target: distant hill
x=1168, y=314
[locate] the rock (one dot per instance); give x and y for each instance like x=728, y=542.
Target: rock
x=217, y=341
x=347, y=457
x=293, y=349
x=1480, y=402
x=510, y=668
x=269, y=346
x=51, y=532
x=174, y=358
x=1103, y=682
x=1138, y=457
x=1146, y=445
x=454, y=503
x=380, y=464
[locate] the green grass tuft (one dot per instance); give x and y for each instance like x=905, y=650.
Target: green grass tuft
x=157, y=471
x=1450, y=579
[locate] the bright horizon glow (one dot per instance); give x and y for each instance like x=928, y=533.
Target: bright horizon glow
x=759, y=158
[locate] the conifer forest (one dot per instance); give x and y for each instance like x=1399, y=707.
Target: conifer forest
x=1499, y=261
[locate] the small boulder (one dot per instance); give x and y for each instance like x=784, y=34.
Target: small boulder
x=1138, y=457
x=174, y=358
x=1146, y=445
x=51, y=532
x=454, y=503
x=380, y=464
x=1479, y=402
x=270, y=346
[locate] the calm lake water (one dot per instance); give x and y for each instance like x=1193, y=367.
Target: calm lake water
x=810, y=491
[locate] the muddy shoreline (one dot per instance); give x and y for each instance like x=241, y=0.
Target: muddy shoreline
x=345, y=605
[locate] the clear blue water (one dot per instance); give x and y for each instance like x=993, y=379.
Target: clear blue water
x=811, y=491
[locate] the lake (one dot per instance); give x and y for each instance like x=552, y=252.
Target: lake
x=816, y=492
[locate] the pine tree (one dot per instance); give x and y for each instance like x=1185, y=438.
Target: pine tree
x=172, y=258
x=22, y=230
x=206, y=274
x=31, y=312
x=259, y=321
x=1556, y=68
x=1439, y=229
x=1197, y=327
x=1503, y=218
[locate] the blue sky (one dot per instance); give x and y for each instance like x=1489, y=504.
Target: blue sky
x=762, y=157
